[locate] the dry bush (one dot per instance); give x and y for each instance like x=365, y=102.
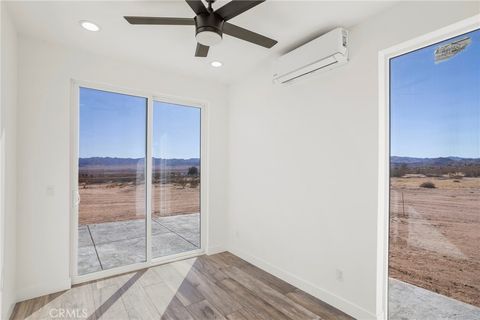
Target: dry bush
x=194, y=183
x=428, y=184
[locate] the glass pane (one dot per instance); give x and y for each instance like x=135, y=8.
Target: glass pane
x=111, y=180
x=176, y=179
x=434, y=254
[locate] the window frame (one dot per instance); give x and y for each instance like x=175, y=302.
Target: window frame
x=383, y=209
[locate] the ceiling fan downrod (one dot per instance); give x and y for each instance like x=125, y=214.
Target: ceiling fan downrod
x=209, y=8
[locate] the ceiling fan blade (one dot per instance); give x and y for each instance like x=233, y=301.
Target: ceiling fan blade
x=247, y=35
x=197, y=6
x=201, y=51
x=161, y=21
x=236, y=7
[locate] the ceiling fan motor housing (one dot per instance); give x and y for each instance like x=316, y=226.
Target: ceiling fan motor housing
x=209, y=28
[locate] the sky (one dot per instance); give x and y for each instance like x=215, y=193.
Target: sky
x=114, y=125
x=435, y=108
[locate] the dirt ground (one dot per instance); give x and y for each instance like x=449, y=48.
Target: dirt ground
x=435, y=236
x=116, y=202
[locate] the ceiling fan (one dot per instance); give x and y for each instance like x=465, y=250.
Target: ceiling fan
x=210, y=25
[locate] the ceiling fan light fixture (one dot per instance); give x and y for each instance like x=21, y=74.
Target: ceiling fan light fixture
x=208, y=38
x=216, y=64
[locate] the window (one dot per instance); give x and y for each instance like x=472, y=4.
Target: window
x=434, y=257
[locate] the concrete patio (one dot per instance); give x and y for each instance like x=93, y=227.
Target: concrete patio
x=407, y=301
x=104, y=246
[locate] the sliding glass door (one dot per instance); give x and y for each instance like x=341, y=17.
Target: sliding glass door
x=120, y=195
x=111, y=180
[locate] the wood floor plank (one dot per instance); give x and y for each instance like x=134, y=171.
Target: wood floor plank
x=223, y=261
x=324, y=310
x=160, y=296
x=21, y=310
x=108, y=303
x=231, y=259
x=150, y=277
x=273, y=297
x=176, y=311
x=209, y=269
x=228, y=259
x=36, y=308
x=184, y=290
x=213, y=293
x=169, y=275
x=188, y=294
x=77, y=299
x=203, y=264
x=137, y=303
x=269, y=279
x=204, y=311
x=248, y=314
x=252, y=303
x=237, y=315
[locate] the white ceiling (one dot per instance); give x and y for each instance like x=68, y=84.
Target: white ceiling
x=290, y=22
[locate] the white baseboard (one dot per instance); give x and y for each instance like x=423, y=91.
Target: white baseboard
x=322, y=294
x=43, y=289
x=215, y=249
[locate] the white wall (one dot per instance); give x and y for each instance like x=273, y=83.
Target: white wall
x=45, y=71
x=303, y=164
x=8, y=121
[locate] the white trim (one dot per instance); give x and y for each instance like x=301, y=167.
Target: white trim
x=204, y=179
x=40, y=290
x=74, y=150
x=73, y=216
x=148, y=177
x=215, y=249
x=338, y=302
x=384, y=57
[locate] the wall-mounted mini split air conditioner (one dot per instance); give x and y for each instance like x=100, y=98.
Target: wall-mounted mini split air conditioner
x=321, y=54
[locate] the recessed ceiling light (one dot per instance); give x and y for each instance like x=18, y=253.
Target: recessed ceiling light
x=90, y=26
x=216, y=64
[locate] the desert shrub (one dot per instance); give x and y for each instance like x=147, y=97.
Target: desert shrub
x=192, y=171
x=182, y=183
x=399, y=171
x=428, y=184
x=194, y=183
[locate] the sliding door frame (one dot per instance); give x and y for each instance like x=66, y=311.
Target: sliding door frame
x=383, y=217
x=74, y=197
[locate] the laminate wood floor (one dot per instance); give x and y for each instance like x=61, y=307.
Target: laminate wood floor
x=220, y=286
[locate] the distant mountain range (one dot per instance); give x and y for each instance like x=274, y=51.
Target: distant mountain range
x=131, y=162
x=434, y=162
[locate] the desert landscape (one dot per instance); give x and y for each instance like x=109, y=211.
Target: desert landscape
x=114, y=189
x=435, y=228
